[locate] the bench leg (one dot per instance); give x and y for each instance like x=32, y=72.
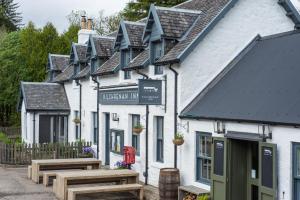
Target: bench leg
x=71, y=195
x=45, y=180
x=29, y=172
x=54, y=186
x=141, y=194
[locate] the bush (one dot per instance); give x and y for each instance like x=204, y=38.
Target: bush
x=4, y=138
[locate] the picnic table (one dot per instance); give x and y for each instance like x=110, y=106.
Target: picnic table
x=64, y=180
x=61, y=164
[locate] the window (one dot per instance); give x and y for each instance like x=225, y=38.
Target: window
x=76, y=69
x=203, y=157
x=158, y=70
x=117, y=141
x=136, y=137
x=77, y=126
x=159, y=139
x=125, y=54
x=95, y=127
x=127, y=75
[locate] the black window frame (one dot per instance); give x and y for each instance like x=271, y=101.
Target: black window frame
x=159, y=139
x=95, y=128
x=117, y=133
x=203, y=157
x=136, y=141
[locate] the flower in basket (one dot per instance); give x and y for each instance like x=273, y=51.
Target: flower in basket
x=121, y=165
x=179, y=139
x=88, y=152
x=76, y=120
x=137, y=128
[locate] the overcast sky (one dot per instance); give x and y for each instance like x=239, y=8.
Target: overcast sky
x=55, y=11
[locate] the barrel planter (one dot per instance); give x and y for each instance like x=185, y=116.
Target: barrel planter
x=169, y=181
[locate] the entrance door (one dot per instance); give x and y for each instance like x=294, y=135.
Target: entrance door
x=107, y=138
x=44, y=129
x=219, y=169
x=296, y=170
x=267, y=171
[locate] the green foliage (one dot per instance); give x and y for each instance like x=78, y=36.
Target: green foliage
x=203, y=197
x=9, y=17
x=136, y=10
x=179, y=136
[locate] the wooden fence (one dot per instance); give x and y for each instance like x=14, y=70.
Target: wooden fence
x=22, y=154
x=11, y=132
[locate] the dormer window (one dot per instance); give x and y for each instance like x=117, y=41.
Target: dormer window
x=156, y=53
x=76, y=69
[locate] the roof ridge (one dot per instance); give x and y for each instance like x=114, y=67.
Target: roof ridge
x=279, y=35
x=103, y=37
x=174, y=9
x=134, y=23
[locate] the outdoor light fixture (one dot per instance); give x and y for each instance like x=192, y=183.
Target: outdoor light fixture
x=184, y=126
x=219, y=127
x=266, y=131
x=115, y=117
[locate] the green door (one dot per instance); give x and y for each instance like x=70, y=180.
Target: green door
x=267, y=171
x=219, y=169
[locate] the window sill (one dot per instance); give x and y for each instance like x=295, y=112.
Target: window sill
x=158, y=165
x=204, y=182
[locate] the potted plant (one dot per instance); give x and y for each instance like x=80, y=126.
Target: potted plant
x=76, y=120
x=179, y=139
x=137, y=129
x=121, y=165
x=87, y=152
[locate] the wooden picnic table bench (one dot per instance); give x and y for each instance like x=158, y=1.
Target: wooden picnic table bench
x=50, y=175
x=59, y=164
x=64, y=180
x=73, y=192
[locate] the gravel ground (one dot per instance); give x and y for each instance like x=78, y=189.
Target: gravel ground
x=14, y=185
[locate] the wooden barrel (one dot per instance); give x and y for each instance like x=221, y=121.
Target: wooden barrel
x=169, y=181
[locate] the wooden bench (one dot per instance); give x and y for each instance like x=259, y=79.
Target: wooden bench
x=72, y=192
x=29, y=172
x=47, y=175
x=189, y=189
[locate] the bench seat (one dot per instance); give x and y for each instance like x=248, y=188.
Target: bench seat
x=72, y=192
x=52, y=174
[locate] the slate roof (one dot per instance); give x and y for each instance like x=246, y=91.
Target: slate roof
x=210, y=9
x=103, y=46
x=81, y=51
x=66, y=75
x=44, y=97
x=58, y=62
x=83, y=73
x=135, y=33
x=140, y=61
x=175, y=22
x=261, y=85
x=110, y=66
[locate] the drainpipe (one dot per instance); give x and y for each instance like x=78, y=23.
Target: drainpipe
x=34, y=128
x=175, y=111
x=98, y=129
x=80, y=87
x=147, y=134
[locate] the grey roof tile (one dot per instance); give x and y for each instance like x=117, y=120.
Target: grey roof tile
x=44, y=97
x=135, y=33
x=66, y=75
x=83, y=73
x=261, y=85
x=81, y=51
x=110, y=66
x=59, y=62
x=210, y=9
x=104, y=46
x=139, y=61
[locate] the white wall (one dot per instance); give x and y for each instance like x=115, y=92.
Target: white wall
x=239, y=26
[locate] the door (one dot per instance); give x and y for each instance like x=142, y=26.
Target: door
x=268, y=171
x=296, y=170
x=107, y=138
x=44, y=129
x=219, y=168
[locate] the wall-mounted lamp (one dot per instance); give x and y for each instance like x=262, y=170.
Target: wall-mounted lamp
x=266, y=131
x=184, y=126
x=115, y=117
x=219, y=127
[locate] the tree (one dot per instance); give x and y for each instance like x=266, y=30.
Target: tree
x=9, y=17
x=106, y=24
x=66, y=39
x=136, y=10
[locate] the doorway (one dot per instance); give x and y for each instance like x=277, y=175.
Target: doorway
x=107, y=138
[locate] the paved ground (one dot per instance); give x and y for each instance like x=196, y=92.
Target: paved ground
x=14, y=185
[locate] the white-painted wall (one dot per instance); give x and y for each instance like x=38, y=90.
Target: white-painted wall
x=227, y=39
x=283, y=136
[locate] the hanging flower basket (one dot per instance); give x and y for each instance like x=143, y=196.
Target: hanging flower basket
x=178, y=140
x=137, y=129
x=76, y=121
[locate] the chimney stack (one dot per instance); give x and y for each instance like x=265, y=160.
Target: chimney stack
x=83, y=22
x=90, y=24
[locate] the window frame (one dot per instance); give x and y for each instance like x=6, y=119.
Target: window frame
x=94, y=127
x=117, y=133
x=136, y=137
x=77, y=126
x=198, y=158
x=159, y=140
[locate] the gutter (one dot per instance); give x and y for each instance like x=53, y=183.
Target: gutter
x=175, y=111
x=80, y=101
x=146, y=173
x=98, y=129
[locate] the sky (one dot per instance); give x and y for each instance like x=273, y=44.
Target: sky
x=55, y=11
